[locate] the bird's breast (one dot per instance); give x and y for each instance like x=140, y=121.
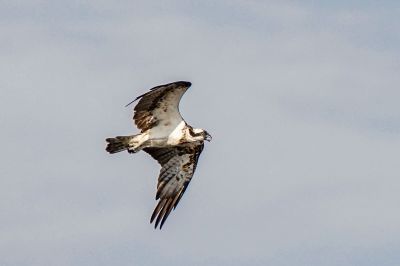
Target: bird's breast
x=177, y=134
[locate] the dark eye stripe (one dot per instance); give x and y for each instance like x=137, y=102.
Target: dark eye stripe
x=194, y=134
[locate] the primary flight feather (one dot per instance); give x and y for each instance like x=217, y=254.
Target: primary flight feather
x=168, y=139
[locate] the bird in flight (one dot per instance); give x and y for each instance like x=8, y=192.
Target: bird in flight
x=166, y=136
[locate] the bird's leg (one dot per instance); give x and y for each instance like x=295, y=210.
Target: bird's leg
x=156, y=142
x=135, y=148
x=136, y=143
x=132, y=150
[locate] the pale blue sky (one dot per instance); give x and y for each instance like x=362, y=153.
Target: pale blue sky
x=302, y=100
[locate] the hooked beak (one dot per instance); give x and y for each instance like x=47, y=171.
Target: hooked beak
x=208, y=137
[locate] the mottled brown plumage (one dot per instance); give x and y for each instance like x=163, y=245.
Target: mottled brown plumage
x=167, y=138
x=145, y=115
x=178, y=165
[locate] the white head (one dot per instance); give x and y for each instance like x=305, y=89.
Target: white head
x=198, y=134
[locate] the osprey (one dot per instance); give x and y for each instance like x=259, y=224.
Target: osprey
x=168, y=139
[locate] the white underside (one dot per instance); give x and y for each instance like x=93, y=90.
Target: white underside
x=177, y=134
x=159, y=136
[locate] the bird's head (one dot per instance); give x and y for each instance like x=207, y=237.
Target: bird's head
x=200, y=134
x=207, y=136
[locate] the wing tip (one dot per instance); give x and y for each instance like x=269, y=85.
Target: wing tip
x=162, y=211
x=183, y=83
x=137, y=98
x=180, y=83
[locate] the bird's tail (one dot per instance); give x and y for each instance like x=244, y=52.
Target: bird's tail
x=119, y=143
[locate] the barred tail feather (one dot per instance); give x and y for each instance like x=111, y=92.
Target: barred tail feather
x=118, y=144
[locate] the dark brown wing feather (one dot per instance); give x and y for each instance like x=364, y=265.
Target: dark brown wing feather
x=161, y=103
x=178, y=166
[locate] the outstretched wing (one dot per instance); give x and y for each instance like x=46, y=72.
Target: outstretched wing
x=178, y=166
x=160, y=106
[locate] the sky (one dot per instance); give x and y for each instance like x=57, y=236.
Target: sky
x=301, y=98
